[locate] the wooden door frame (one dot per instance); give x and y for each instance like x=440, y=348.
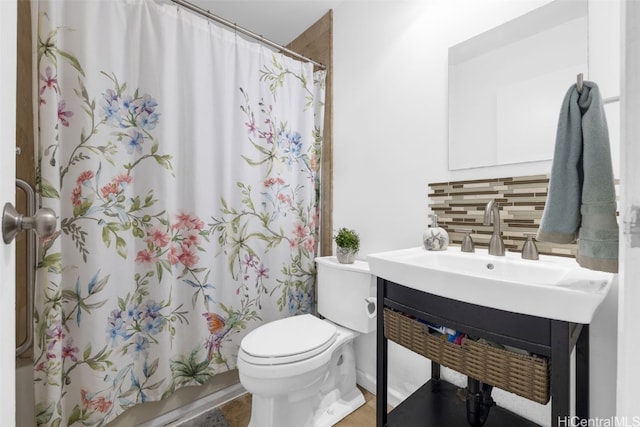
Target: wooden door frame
x=316, y=42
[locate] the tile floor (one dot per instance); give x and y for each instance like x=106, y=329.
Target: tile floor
x=238, y=411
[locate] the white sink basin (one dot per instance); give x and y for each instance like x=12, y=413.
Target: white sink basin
x=551, y=287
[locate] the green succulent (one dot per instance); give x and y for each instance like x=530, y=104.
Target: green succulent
x=348, y=239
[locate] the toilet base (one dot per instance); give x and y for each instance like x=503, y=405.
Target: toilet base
x=334, y=407
x=318, y=398
x=339, y=409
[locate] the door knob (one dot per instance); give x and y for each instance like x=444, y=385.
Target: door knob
x=43, y=222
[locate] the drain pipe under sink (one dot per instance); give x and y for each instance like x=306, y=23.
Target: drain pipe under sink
x=479, y=402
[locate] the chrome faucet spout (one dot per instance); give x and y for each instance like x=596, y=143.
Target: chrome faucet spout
x=492, y=214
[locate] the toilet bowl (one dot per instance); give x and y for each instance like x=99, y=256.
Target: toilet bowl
x=301, y=370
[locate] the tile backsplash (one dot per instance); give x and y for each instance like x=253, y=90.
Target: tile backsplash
x=460, y=204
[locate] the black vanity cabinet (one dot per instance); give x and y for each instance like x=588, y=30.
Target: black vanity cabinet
x=440, y=404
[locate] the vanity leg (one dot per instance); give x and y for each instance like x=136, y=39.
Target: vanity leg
x=560, y=375
x=381, y=362
x=582, y=374
x=435, y=371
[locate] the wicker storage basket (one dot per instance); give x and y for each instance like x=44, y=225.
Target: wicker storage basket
x=526, y=376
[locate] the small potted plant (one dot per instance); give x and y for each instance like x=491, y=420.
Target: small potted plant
x=348, y=243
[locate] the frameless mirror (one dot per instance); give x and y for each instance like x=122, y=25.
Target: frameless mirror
x=506, y=86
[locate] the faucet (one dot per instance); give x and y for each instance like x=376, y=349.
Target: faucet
x=496, y=245
x=529, y=248
x=467, y=242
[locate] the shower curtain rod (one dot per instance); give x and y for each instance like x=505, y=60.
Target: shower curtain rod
x=200, y=11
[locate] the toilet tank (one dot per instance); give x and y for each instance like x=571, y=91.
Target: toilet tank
x=346, y=293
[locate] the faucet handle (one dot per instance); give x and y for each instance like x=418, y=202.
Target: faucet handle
x=467, y=242
x=529, y=248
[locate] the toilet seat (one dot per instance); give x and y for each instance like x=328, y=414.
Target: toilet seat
x=288, y=340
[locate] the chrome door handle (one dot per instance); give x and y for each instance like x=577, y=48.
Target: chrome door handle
x=43, y=222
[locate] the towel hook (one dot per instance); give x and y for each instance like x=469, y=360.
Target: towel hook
x=579, y=84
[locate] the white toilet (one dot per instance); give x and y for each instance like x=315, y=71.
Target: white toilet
x=301, y=370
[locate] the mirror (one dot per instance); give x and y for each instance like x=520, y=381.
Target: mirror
x=506, y=86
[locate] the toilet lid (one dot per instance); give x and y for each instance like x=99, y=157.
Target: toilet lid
x=293, y=338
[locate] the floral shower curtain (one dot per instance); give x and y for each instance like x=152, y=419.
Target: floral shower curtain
x=182, y=161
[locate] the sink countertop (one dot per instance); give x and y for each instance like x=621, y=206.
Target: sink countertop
x=551, y=287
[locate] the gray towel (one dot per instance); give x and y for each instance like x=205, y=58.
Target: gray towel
x=582, y=202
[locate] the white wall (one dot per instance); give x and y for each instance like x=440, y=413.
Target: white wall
x=390, y=136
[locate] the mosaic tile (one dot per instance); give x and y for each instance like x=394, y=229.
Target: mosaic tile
x=461, y=204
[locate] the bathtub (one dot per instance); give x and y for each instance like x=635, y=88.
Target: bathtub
x=185, y=402
x=25, y=406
